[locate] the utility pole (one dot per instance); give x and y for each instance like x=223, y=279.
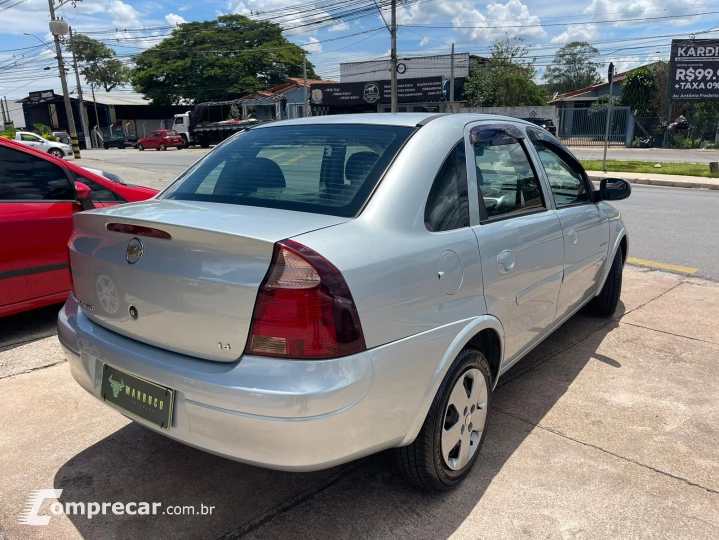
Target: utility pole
x=610, y=76
x=83, y=114
x=451, y=82
x=305, y=107
x=97, y=118
x=57, y=31
x=393, y=59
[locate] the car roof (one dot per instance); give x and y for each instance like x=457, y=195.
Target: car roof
x=391, y=119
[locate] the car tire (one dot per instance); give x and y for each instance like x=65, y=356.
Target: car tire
x=56, y=152
x=162, y=147
x=140, y=147
x=106, y=146
x=121, y=147
x=605, y=303
x=424, y=462
x=204, y=144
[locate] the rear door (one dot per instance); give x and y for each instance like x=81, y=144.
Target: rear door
x=585, y=228
x=37, y=202
x=152, y=140
x=519, y=235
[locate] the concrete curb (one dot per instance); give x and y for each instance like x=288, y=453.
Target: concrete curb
x=665, y=183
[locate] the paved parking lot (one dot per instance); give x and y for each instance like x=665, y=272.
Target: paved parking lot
x=607, y=430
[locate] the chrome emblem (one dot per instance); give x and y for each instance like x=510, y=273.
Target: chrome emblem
x=135, y=249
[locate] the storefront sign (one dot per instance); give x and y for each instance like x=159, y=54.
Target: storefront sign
x=425, y=89
x=694, y=70
x=41, y=95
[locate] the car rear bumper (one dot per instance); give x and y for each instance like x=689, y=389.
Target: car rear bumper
x=276, y=413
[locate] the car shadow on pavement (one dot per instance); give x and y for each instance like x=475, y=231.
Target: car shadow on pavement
x=23, y=328
x=364, y=499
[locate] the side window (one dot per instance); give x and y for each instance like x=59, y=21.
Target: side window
x=505, y=177
x=98, y=192
x=30, y=138
x=565, y=177
x=447, y=206
x=24, y=177
x=180, y=120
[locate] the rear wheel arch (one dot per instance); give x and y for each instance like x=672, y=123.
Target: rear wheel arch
x=488, y=342
x=483, y=331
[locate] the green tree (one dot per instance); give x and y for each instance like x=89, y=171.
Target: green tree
x=638, y=91
x=602, y=102
x=507, y=80
x=572, y=68
x=217, y=60
x=234, y=113
x=99, y=65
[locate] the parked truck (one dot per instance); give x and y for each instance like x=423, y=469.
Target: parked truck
x=209, y=123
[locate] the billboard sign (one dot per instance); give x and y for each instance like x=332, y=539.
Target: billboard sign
x=694, y=70
x=41, y=95
x=423, y=89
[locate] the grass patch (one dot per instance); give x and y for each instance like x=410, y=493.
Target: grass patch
x=686, y=169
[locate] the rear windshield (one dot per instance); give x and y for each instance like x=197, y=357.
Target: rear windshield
x=170, y=133
x=323, y=169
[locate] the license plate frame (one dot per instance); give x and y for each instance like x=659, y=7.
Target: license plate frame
x=137, y=396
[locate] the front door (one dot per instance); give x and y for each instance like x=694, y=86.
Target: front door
x=519, y=236
x=37, y=202
x=32, y=140
x=585, y=227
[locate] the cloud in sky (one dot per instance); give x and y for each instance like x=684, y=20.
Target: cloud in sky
x=313, y=46
x=578, y=32
x=339, y=27
x=174, y=20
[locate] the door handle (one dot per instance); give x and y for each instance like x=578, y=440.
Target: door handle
x=572, y=237
x=505, y=261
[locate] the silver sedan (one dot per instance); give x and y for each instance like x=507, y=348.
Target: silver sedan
x=317, y=290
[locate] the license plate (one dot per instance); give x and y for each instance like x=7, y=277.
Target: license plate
x=137, y=396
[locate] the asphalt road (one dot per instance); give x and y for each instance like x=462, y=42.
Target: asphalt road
x=667, y=155
x=674, y=226
x=668, y=225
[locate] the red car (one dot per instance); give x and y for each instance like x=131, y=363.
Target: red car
x=161, y=139
x=39, y=194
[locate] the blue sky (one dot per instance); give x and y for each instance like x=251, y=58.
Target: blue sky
x=635, y=34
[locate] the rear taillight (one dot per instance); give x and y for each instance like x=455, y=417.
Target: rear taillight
x=304, y=308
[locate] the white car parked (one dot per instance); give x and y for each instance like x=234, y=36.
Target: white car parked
x=55, y=148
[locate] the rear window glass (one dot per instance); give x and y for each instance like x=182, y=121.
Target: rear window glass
x=324, y=169
x=167, y=133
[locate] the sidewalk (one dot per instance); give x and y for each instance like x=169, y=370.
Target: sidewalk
x=607, y=430
x=667, y=180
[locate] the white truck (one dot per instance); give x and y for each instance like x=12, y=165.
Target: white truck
x=55, y=148
x=207, y=124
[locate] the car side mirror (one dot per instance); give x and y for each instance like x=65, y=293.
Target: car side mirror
x=614, y=189
x=82, y=192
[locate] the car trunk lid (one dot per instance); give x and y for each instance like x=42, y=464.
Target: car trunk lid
x=192, y=293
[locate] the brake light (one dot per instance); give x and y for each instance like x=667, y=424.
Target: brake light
x=304, y=308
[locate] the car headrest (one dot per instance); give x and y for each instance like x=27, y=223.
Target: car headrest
x=250, y=175
x=359, y=165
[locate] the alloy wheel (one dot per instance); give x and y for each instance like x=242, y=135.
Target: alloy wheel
x=464, y=419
